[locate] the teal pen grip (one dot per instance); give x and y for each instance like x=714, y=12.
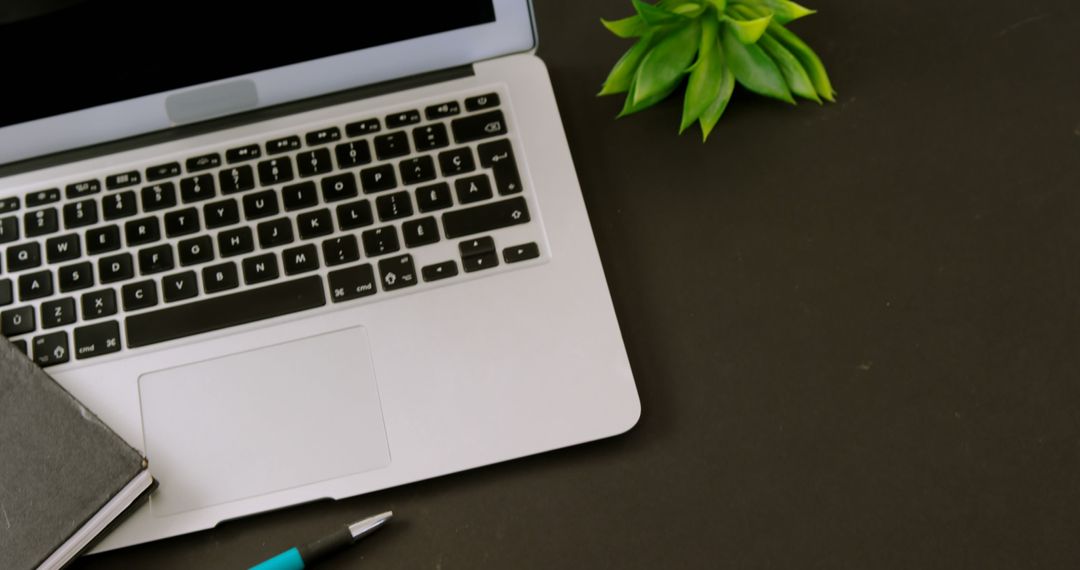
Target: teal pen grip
x=288, y=560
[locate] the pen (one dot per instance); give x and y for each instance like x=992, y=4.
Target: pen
x=298, y=558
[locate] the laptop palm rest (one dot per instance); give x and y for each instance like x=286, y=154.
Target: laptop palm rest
x=256, y=422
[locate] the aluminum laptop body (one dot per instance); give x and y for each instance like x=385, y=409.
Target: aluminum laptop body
x=318, y=279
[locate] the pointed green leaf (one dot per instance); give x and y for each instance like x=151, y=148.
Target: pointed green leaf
x=753, y=68
x=663, y=67
x=809, y=60
x=749, y=31
x=632, y=27
x=621, y=76
x=712, y=115
x=794, y=74
x=783, y=11
x=703, y=87
x=720, y=5
x=654, y=15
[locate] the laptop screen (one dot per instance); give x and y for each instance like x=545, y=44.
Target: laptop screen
x=91, y=52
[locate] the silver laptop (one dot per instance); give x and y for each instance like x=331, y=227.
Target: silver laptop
x=306, y=252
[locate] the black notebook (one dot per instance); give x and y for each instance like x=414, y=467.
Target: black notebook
x=65, y=476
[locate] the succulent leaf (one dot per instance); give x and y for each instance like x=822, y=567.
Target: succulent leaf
x=753, y=69
x=632, y=27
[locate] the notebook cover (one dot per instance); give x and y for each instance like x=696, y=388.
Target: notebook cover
x=59, y=464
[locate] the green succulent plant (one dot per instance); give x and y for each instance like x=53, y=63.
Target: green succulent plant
x=715, y=43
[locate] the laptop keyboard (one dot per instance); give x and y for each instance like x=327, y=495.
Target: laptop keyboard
x=329, y=217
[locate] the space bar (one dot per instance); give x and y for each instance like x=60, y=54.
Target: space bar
x=226, y=311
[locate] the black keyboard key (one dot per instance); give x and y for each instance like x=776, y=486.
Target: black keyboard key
x=300, y=259
x=63, y=248
x=417, y=170
x=9, y=229
x=355, y=153
x=51, y=349
x=141, y=295
x=485, y=218
x=142, y=231
x=486, y=101
x=123, y=180
x=521, y=252
x=80, y=214
x=392, y=145
x=182, y=222
x=339, y=187
x=226, y=311
x=103, y=239
x=361, y=128
x=437, y=271
x=75, y=276
x=261, y=205
x=397, y=272
x=97, y=340
x=244, y=153
x=7, y=296
x=457, y=161
x=204, y=162
x=499, y=156
x=221, y=214
x=434, y=197
x=352, y=283
x=476, y=127
x=286, y=144
x=299, y=196
x=158, y=197
x=42, y=197
x=380, y=241
x=196, y=250
x=35, y=285
x=221, y=277
x=82, y=189
x=236, y=179
x=9, y=204
x=430, y=137
x=162, y=171
x=480, y=262
x=477, y=246
x=315, y=224
x=473, y=189
x=235, y=242
x=179, y=286
x=115, y=268
x=314, y=162
x=41, y=222
x=394, y=206
x=275, y=232
x=157, y=259
x=323, y=136
x=420, y=232
x=23, y=256
x=378, y=178
x=21, y=345
x=260, y=268
x=58, y=313
x=275, y=171
x=197, y=188
x=402, y=119
x=99, y=304
x=339, y=251
x=17, y=321
x=443, y=110
x=354, y=215
x=119, y=205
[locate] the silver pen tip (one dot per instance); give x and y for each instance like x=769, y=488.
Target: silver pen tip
x=360, y=529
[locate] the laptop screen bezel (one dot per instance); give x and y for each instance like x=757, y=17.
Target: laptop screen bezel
x=513, y=31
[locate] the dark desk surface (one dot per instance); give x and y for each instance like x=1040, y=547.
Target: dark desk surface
x=854, y=327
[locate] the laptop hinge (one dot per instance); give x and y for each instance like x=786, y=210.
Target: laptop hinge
x=240, y=119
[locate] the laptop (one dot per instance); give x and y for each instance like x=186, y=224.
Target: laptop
x=300, y=252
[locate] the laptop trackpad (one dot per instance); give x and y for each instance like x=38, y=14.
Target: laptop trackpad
x=256, y=422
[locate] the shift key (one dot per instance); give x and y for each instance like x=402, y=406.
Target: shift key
x=480, y=219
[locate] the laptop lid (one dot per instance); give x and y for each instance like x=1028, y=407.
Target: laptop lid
x=104, y=70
